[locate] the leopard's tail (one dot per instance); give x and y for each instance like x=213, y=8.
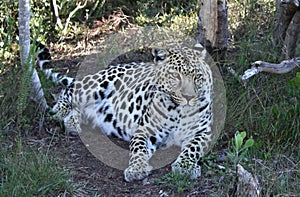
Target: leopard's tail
x=44, y=60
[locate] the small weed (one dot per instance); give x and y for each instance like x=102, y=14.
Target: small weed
x=238, y=148
x=176, y=181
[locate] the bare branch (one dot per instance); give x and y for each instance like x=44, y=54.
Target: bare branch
x=283, y=67
x=285, y=13
x=24, y=30
x=79, y=6
x=213, y=24
x=57, y=19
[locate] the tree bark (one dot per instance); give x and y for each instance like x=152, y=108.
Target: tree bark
x=24, y=30
x=37, y=93
x=290, y=41
x=213, y=25
x=288, y=27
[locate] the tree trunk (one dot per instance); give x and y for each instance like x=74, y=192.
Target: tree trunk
x=24, y=30
x=37, y=93
x=213, y=25
x=288, y=27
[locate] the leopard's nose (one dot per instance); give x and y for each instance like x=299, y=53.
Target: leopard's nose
x=188, y=97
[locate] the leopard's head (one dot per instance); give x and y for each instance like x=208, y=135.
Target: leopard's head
x=182, y=73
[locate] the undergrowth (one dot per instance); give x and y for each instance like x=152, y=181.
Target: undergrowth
x=266, y=106
x=263, y=105
x=30, y=173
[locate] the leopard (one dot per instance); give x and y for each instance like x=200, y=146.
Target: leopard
x=152, y=105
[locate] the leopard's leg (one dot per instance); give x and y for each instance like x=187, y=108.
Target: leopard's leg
x=141, y=150
x=187, y=161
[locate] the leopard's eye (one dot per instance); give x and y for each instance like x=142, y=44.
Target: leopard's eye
x=175, y=75
x=198, y=79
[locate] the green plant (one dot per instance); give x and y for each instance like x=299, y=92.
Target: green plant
x=239, y=148
x=294, y=85
x=28, y=66
x=238, y=151
x=176, y=181
x=25, y=84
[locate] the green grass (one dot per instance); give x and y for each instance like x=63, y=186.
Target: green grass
x=31, y=173
x=279, y=176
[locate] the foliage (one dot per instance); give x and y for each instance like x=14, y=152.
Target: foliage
x=8, y=30
x=24, y=88
x=178, y=15
x=249, y=16
x=294, y=85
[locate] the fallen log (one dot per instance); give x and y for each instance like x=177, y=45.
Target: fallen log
x=283, y=67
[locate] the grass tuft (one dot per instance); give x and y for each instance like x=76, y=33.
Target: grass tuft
x=32, y=174
x=176, y=181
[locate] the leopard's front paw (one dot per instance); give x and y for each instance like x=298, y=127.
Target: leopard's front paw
x=137, y=172
x=72, y=125
x=187, y=168
x=73, y=131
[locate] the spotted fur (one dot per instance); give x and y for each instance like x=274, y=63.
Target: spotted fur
x=152, y=105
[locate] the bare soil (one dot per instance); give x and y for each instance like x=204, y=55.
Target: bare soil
x=92, y=177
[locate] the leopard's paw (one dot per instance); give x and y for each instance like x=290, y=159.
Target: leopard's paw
x=137, y=172
x=73, y=131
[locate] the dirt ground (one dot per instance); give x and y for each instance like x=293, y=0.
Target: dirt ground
x=94, y=178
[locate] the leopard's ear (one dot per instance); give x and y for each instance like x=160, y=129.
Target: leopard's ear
x=160, y=56
x=55, y=96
